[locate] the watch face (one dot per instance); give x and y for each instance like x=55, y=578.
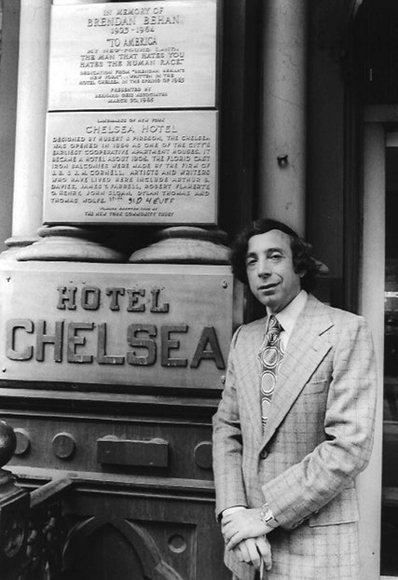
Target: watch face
x=266, y=516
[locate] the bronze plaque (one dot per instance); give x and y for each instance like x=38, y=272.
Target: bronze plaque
x=129, y=324
x=133, y=55
x=131, y=167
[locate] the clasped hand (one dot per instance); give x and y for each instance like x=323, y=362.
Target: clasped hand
x=244, y=533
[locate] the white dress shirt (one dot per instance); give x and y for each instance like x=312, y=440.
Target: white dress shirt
x=288, y=316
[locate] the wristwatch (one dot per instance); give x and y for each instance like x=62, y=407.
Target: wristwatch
x=267, y=517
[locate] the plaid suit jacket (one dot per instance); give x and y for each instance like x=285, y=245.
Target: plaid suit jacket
x=317, y=439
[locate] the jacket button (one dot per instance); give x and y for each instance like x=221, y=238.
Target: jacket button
x=264, y=454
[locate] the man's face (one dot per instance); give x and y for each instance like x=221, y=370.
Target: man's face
x=270, y=272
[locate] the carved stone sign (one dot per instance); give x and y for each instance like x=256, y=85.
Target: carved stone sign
x=151, y=54
x=131, y=167
x=116, y=324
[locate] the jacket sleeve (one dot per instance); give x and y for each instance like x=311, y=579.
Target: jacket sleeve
x=304, y=488
x=227, y=444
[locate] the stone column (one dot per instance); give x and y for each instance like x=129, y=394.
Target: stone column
x=282, y=157
x=30, y=126
x=57, y=243
x=372, y=276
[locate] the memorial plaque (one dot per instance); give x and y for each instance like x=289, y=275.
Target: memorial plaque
x=116, y=324
x=133, y=55
x=131, y=167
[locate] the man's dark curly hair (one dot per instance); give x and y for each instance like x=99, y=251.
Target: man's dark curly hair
x=303, y=261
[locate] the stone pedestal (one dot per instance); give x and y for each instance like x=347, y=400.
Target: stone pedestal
x=185, y=245
x=15, y=244
x=70, y=243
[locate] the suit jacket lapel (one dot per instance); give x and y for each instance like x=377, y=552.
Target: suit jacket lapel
x=306, y=348
x=251, y=377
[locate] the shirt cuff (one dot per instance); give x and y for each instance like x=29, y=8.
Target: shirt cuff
x=231, y=510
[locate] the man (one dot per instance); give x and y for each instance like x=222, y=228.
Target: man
x=285, y=466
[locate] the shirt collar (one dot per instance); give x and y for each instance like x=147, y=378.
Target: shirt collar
x=288, y=316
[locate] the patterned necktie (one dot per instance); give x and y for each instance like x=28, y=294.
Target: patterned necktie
x=270, y=357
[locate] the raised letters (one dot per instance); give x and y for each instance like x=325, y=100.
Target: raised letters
x=143, y=339
x=11, y=338
x=171, y=343
x=208, y=348
x=140, y=336
x=75, y=340
x=90, y=299
x=102, y=357
x=118, y=325
x=56, y=339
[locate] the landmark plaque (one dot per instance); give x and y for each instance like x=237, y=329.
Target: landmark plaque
x=131, y=167
x=133, y=55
